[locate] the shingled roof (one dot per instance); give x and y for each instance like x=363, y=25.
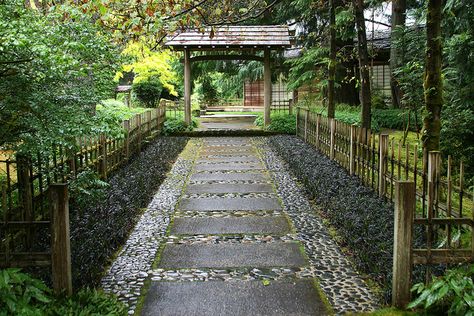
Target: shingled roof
x=261, y=36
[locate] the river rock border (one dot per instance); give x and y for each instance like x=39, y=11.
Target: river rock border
x=127, y=274
x=345, y=288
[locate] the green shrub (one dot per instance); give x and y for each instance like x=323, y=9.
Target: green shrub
x=451, y=294
x=177, y=125
x=148, y=92
x=87, y=302
x=87, y=188
x=109, y=117
x=281, y=123
x=396, y=119
x=20, y=294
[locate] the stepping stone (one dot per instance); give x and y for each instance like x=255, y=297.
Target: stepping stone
x=224, y=154
x=221, y=166
x=228, y=188
x=259, y=255
x=228, y=148
x=206, y=176
x=229, y=159
x=230, y=204
x=297, y=297
x=233, y=225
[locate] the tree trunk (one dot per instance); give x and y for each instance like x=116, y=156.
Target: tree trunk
x=363, y=63
x=332, y=59
x=433, y=85
x=396, y=56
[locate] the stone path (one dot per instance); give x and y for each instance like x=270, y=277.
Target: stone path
x=231, y=233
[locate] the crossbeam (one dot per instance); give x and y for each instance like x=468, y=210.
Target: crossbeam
x=226, y=57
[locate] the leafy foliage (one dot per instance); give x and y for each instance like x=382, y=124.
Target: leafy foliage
x=451, y=294
x=149, y=91
x=176, y=125
x=281, y=123
x=109, y=117
x=20, y=294
x=52, y=76
x=150, y=66
x=87, y=188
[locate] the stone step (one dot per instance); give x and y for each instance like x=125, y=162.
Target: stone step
x=206, y=176
x=230, y=255
x=228, y=159
x=228, y=188
x=298, y=297
x=277, y=225
x=224, y=166
x=230, y=204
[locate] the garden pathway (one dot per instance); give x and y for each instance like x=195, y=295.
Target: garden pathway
x=242, y=239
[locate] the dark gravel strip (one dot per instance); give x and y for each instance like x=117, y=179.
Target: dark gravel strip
x=98, y=231
x=361, y=218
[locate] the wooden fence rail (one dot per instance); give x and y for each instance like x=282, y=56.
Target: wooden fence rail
x=30, y=204
x=442, y=205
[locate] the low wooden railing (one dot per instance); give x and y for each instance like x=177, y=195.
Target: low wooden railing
x=32, y=191
x=441, y=202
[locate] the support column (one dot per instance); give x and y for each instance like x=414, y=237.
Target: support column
x=267, y=86
x=187, y=87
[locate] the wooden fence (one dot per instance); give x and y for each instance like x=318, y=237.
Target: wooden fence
x=34, y=197
x=441, y=202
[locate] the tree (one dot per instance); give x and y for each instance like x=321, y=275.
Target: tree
x=396, y=58
x=52, y=74
x=332, y=59
x=365, y=95
x=433, y=84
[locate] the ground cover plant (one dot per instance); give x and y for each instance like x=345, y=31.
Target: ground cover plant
x=451, y=294
x=100, y=226
x=20, y=294
x=280, y=122
x=176, y=125
x=362, y=219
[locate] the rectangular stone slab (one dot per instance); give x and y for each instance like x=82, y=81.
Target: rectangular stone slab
x=230, y=204
x=242, y=298
x=228, y=166
x=273, y=254
x=228, y=148
x=230, y=225
x=228, y=153
x=206, y=176
x=229, y=159
x=228, y=188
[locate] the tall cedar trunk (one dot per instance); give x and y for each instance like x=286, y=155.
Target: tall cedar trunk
x=332, y=59
x=433, y=84
x=396, y=56
x=363, y=63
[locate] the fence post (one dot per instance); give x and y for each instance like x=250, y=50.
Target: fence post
x=306, y=124
x=60, y=241
x=290, y=107
x=318, y=126
x=352, y=149
x=402, y=242
x=434, y=168
x=139, y=132
x=297, y=119
x=148, y=122
x=332, y=130
x=383, y=151
x=126, y=126
x=25, y=195
x=103, y=157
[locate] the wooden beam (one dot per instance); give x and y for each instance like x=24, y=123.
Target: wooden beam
x=402, y=242
x=60, y=239
x=226, y=57
x=267, y=86
x=187, y=87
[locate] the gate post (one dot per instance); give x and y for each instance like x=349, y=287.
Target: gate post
x=60, y=241
x=402, y=242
